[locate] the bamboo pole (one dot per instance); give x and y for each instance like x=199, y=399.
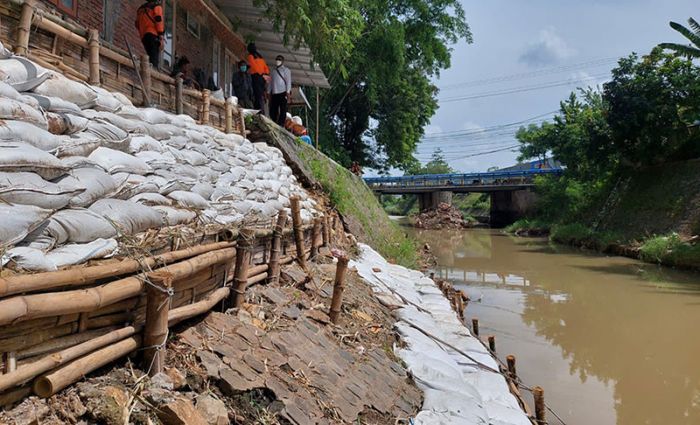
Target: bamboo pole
x=24, y=28
x=259, y=269
x=540, y=408
x=14, y=396
x=28, y=307
x=510, y=360
x=61, y=343
x=9, y=361
x=147, y=81
x=50, y=384
x=178, y=94
x=475, y=327
x=183, y=313
x=228, y=110
x=492, y=343
x=206, y=102
x=275, y=248
x=155, y=332
x=86, y=275
x=338, y=288
x=298, y=232
x=256, y=279
x=243, y=254
x=325, y=231
x=94, y=45
x=316, y=238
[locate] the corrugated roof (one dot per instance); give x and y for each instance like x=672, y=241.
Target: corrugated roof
x=251, y=22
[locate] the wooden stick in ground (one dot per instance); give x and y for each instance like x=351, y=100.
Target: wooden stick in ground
x=276, y=248
x=315, y=236
x=325, y=231
x=338, y=288
x=155, y=332
x=298, y=231
x=510, y=359
x=178, y=94
x=243, y=254
x=475, y=326
x=50, y=384
x=492, y=343
x=540, y=409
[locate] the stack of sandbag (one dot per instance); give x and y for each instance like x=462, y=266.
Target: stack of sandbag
x=80, y=167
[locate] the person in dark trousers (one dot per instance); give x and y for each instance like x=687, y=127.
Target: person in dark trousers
x=151, y=26
x=280, y=91
x=243, y=86
x=258, y=70
x=182, y=68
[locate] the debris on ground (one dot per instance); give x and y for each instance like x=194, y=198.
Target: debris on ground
x=445, y=216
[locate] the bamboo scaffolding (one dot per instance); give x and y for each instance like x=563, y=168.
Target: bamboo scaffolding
x=298, y=232
x=243, y=255
x=155, y=332
x=338, y=288
x=275, y=248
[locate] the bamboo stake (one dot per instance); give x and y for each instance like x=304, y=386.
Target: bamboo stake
x=94, y=46
x=206, y=101
x=50, y=384
x=243, y=254
x=315, y=236
x=228, y=111
x=147, y=82
x=338, y=288
x=492, y=343
x=155, y=332
x=298, y=232
x=24, y=27
x=540, y=408
x=510, y=359
x=86, y=275
x=325, y=231
x=475, y=327
x=275, y=248
x=178, y=94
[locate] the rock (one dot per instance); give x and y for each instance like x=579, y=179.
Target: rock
x=211, y=363
x=178, y=378
x=161, y=380
x=214, y=411
x=180, y=412
x=111, y=407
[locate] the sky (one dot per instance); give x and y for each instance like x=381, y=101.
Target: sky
x=526, y=57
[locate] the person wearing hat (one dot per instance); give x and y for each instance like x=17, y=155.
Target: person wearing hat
x=279, y=91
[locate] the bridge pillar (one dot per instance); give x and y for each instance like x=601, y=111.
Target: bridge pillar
x=431, y=200
x=510, y=206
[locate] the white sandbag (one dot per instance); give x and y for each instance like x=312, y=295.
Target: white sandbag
x=4, y=52
x=186, y=172
x=81, y=144
x=121, y=97
x=110, y=136
x=27, y=259
x=59, y=86
x=75, y=226
x=18, y=157
x=106, y=101
x=152, y=116
x=174, y=216
x=206, y=174
x=31, y=189
x=177, y=142
x=197, y=137
x=242, y=207
x=182, y=120
x=157, y=160
x=144, y=143
x=20, y=131
x=97, y=183
x=129, y=125
x=8, y=91
x=172, y=185
x=17, y=221
x=22, y=74
x=56, y=104
x=151, y=199
x=228, y=194
x=73, y=254
x=131, y=185
x=188, y=200
x=203, y=189
x=73, y=162
x=164, y=131
x=229, y=219
x=115, y=161
x=129, y=217
x=65, y=124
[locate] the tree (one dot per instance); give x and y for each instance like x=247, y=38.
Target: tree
x=436, y=165
x=692, y=34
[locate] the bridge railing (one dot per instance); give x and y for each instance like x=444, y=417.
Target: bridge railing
x=466, y=179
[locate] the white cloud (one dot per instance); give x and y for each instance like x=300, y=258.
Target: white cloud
x=549, y=49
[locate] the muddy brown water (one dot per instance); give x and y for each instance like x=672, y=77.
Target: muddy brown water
x=611, y=340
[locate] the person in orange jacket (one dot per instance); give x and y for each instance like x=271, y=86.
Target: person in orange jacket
x=257, y=67
x=151, y=26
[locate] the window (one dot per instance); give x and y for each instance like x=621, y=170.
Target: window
x=169, y=36
x=193, y=25
x=108, y=23
x=68, y=6
x=216, y=62
x=229, y=66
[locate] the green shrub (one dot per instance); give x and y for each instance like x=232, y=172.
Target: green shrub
x=575, y=233
x=658, y=248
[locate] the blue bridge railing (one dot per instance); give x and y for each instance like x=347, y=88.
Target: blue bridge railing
x=467, y=179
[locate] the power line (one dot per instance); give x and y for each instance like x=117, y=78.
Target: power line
x=485, y=129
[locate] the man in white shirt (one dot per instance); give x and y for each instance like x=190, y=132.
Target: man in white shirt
x=280, y=91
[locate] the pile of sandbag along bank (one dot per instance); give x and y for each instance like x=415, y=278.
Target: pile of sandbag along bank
x=82, y=170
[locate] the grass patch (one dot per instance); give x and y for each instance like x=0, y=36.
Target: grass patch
x=528, y=225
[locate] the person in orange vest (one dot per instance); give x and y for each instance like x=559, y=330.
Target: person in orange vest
x=151, y=26
x=259, y=73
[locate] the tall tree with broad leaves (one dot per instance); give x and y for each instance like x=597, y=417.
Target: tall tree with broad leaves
x=692, y=34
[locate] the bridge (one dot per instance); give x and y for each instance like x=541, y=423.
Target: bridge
x=510, y=192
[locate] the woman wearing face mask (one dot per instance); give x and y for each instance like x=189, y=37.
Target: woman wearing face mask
x=258, y=70
x=243, y=86
x=280, y=91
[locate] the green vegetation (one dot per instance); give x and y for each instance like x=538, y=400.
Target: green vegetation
x=629, y=150
x=360, y=208
x=692, y=34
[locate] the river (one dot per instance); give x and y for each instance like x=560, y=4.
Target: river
x=610, y=339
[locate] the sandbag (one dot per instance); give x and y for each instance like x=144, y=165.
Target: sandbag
x=174, y=216
x=8, y=91
x=129, y=217
x=115, y=161
x=121, y=97
x=56, y=85
x=177, y=142
x=17, y=221
x=65, y=124
x=110, y=136
x=134, y=184
x=18, y=157
x=74, y=225
x=19, y=131
x=27, y=259
x=73, y=162
x=81, y=144
x=129, y=125
x=153, y=116
x=144, y=143
x=56, y=104
x=189, y=200
x=203, y=189
x=106, y=101
x=164, y=131
x=31, y=189
x=97, y=183
x=22, y=74
x=80, y=253
x=151, y=199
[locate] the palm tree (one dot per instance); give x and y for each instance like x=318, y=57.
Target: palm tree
x=692, y=34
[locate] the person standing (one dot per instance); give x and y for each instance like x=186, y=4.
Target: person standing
x=243, y=86
x=280, y=91
x=258, y=70
x=151, y=27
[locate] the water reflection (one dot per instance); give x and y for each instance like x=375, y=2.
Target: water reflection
x=614, y=340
